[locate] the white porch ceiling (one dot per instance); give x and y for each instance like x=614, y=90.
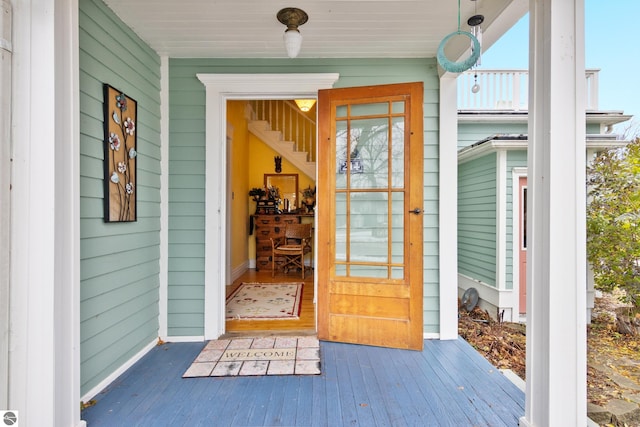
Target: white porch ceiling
x=336, y=29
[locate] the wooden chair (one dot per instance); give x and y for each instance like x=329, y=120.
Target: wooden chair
x=291, y=248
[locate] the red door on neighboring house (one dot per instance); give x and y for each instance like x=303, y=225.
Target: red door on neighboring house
x=522, y=186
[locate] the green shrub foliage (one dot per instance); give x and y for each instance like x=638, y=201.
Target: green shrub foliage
x=613, y=218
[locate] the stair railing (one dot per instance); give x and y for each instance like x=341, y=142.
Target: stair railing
x=285, y=116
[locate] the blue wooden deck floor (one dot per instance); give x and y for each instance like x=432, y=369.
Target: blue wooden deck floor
x=447, y=384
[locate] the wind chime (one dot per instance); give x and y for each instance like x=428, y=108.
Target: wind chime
x=475, y=23
x=475, y=37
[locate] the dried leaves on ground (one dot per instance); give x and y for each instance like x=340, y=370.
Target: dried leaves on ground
x=502, y=343
x=609, y=353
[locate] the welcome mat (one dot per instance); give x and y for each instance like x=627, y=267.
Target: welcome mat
x=257, y=356
x=265, y=301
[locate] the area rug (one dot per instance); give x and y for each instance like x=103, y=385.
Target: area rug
x=265, y=301
x=257, y=356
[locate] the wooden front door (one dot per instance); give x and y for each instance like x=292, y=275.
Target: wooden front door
x=370, y=200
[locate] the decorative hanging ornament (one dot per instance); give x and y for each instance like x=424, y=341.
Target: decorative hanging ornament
x=460, y=66
x=476, y=87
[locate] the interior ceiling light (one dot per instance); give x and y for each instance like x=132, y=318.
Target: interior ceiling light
x=292, y=17
x=305, y=104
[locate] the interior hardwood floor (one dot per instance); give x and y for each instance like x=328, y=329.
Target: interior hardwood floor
x=305, y=325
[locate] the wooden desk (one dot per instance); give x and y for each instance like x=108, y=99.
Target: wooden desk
x=266, y=227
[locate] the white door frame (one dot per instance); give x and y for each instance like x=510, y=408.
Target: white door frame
x=516, y=174
x=219, y=89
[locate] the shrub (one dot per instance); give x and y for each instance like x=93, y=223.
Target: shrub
x=613, y=217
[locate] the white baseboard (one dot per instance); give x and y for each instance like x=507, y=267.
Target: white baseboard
x=523, y=422
x=431, y=336
x=115, y=374
x=240, y=270
x=129, y=363
x=184, y=338
x=516, y=380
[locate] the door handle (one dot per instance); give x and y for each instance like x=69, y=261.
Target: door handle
x=416, y=211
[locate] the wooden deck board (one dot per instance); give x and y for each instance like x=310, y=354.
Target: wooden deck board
x=319, y=410
x=448, y=393
x=330, y=365
x=446, y=384
x=451, y=364
x=346, y=398
x=290, y=387
x=253, y=413
x=486, y=388
x=397, y=391
x=378, y=390
x=305, y=402
x=274, y=414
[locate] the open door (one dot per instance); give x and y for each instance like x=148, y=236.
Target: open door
x=370, y=219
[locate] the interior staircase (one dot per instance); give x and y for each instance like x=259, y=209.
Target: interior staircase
x=284, y=128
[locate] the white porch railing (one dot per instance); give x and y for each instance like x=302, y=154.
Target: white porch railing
x=286, y=117
x=507, y=90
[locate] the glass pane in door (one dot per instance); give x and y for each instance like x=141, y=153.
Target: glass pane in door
x=369, y=195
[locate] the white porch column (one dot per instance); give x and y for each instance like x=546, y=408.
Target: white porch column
x=164, y=199
x=5, y=185
x=556, y=327
x=448, y=207
x=44, y=306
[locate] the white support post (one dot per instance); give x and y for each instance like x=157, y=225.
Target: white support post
x=448, y=203
x=163, y=292
x=556, y=299
x=5, y=185
x=44, y=305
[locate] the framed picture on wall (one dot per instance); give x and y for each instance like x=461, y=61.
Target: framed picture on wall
x=120, y=156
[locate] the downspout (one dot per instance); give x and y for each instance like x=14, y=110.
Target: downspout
x=5, y=192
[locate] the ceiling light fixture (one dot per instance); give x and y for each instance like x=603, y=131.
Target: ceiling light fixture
x=292, y=17
x=305, y=104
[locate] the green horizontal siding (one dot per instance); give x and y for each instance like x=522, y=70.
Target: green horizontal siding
x=119, y=265
x=187, y=166
x=477, y=182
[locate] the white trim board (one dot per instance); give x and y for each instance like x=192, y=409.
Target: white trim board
x=448, y=210
x=219, y=89
x=115, y=374
x=516, y=174
x=164, y=198
x=133, y=360
x=502, y=299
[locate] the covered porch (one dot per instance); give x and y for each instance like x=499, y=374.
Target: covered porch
x=448, y=383
x=45, y=279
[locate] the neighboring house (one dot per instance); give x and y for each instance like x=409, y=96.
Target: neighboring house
x=81, y=300
x=492, y=184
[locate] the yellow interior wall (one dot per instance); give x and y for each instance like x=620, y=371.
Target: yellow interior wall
x=239, y=157
x=260, y=162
